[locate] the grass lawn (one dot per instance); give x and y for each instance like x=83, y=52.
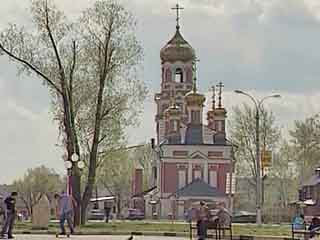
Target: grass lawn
x=165, y=226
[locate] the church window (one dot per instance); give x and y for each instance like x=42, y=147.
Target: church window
x=179, y=75
x=195, y=116
x=168, y=75
x=213, y=178
x=220, y=126
x=175, y=125
x=182, y=178
x=189, y=75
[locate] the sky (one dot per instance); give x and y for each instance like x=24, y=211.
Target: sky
x=259, y=46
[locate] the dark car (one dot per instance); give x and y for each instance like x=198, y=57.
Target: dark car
x=244, y=217
x=135, y=214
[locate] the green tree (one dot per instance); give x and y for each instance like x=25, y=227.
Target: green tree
x=142, y=157
x=115, y=174
x=305, y=139
x=281, y=185
x=36, y=183
x=90, y=67
x=243, y=135
x=283, y=171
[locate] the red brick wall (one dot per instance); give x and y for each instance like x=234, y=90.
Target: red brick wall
x=170, y=177
x=222, y=176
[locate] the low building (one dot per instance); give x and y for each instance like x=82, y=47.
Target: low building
x=309, y=195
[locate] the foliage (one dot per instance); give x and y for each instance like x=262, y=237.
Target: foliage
x=142, y=157
x=283, y=172
x=90, y=66
x=305, y=140
x=243, y=134
x=36, y=183
x=116, y=175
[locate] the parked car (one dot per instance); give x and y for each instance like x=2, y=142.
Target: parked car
x=96, y=214
x=244, y=217
x=135, y=214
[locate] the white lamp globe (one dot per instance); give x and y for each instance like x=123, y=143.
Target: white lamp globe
x=75, y=157
x=68, y=164
x=81, y=164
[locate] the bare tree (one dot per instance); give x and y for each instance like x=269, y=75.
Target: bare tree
x=242, y=132
x=90, y=68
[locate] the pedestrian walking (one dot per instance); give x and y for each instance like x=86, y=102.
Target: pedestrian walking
x=65, y=211
x=10, y=209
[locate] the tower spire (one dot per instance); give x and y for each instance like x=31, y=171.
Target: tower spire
x=178, y=8
x=194, y=69
x=213, y=97
x=220, y=86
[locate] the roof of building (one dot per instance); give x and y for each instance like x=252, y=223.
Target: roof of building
x=312, y=181
x=141, y=194
x=198, y=188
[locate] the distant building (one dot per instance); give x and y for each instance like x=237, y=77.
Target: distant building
x=309, y=195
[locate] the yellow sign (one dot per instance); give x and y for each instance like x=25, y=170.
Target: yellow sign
x=266, y=157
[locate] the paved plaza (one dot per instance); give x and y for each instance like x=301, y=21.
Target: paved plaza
x=91, y=237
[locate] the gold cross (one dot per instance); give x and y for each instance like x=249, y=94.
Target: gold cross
x=194, y=70
x=177, y=8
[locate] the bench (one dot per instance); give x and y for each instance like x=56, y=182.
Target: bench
x=304, y=232
x=219, y=231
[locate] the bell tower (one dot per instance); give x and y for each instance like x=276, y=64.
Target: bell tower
x=176, y=68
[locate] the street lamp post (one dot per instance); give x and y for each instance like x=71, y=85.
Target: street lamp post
x=258, y=104
x=74, y=168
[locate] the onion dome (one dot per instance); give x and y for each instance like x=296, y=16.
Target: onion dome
x=177, y=49
x=195, y=99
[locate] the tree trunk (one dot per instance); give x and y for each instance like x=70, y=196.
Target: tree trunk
x=93, y=154
x=118, y=206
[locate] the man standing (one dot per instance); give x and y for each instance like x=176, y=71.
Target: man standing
x=107, y=210
x=65, y=207
x=202, y=221
x=10, y=203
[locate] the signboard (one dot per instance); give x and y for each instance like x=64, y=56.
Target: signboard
x=266, y=158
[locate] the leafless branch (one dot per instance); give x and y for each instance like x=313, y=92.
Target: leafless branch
x=30, y=66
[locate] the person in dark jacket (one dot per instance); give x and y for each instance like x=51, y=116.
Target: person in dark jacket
x=10, y=203
x=202, y=221
x=314, y=226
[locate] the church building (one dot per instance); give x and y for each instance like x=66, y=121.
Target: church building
x=193, y=158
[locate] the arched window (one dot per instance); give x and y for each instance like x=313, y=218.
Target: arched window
x=179, y=75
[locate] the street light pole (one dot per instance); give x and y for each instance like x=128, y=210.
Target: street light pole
x=258, y=104
x=258, y=167
x=74, y=167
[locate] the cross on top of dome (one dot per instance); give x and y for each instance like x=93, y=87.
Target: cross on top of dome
x=177, y=8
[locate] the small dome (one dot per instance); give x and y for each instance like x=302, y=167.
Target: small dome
x=194, y=98
x=173, y=110
x=177, y=49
